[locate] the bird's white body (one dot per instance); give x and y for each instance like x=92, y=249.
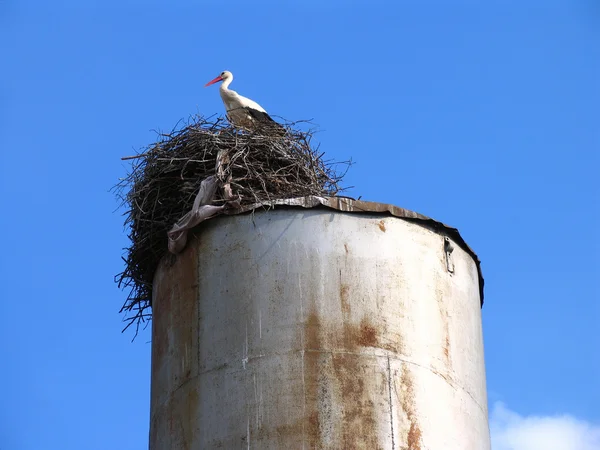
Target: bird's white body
x=233, y=100
x=236, y=104
x=241, y=111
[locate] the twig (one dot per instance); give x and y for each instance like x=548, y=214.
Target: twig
x=125, y=158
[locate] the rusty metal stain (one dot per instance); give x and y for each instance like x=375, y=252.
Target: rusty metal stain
x=413, y=438
x=172, y=424
x=349, y=205
x=330, y=374
x=367, y=335
x=358, y=414
x=345, y=304
x=176, y=281
x=445, y=319
x=446, y=343
x=312, y=342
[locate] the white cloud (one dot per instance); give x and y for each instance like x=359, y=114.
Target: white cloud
x=511, y=431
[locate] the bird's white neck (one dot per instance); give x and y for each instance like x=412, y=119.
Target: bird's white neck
x=225, y=84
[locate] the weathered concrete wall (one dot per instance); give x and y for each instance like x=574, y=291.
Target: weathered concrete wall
x=297, y=328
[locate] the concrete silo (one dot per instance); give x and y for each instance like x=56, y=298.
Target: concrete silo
x=319, y=323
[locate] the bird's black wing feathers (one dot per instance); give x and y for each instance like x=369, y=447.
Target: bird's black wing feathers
x=265, y=119
x=259, y=116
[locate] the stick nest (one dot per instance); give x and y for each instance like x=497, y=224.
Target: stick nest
x=160, y=187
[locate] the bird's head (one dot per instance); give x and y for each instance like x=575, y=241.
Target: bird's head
x=225, y=75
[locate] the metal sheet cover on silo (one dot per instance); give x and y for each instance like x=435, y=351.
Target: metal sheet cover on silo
x=319, y=323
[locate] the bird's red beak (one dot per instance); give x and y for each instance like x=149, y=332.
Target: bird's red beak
x=219, y=78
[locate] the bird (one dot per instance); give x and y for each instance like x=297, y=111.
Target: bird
x=241, y=111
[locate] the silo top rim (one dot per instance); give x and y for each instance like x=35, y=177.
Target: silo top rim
x=349, y=205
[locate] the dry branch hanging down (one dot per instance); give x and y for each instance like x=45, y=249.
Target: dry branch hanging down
x=165, y=195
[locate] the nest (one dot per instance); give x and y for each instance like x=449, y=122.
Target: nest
x=255, y=167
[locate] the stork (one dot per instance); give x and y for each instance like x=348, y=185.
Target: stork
x=241, y=111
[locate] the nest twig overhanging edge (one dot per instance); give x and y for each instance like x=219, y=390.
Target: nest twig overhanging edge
x=252, y=167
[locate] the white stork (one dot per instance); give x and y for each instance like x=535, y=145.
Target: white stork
x=241, y=111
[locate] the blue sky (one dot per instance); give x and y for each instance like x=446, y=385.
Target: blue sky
x=483, y=115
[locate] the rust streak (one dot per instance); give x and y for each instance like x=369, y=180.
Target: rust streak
x=339, y=407
x=445, y=318
x=368, y=335
x=345, y=304
x=358, y=425
x=176, y=283
x=413, y=438
x=313, y=341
